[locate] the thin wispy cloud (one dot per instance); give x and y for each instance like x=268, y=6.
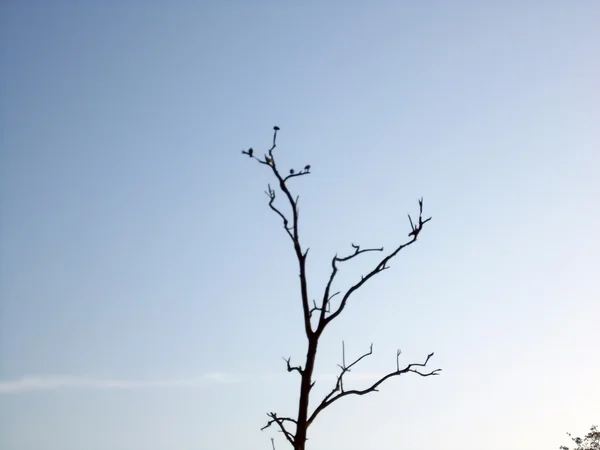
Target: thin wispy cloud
x=61, y=382
x=48, y=383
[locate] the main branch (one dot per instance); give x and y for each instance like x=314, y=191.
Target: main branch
x=291, y=230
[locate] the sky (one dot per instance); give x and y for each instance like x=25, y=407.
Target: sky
x=148, y=294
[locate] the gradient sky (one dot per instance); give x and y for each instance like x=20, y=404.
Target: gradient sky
x=147, y=293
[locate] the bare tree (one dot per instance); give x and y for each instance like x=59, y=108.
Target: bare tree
x=318, y=315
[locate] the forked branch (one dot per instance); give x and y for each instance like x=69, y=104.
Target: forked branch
x=280, y=421
x=339, y=392
x=325, y=319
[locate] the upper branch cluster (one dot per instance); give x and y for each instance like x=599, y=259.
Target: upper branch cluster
x=290, y=224
x=269, y=160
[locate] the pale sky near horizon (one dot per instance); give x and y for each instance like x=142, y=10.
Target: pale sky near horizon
x=147, y=293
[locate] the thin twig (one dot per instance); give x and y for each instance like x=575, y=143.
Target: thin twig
x=291, y=368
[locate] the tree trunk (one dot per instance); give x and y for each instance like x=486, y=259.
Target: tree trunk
x=305, y=387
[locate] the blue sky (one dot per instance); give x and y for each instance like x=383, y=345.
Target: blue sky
x=147, y=293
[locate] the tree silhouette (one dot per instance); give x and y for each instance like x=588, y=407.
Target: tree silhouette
x=590, y=441
x=318, y=315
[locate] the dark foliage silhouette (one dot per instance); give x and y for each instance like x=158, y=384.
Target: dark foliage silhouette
x=590, y=441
